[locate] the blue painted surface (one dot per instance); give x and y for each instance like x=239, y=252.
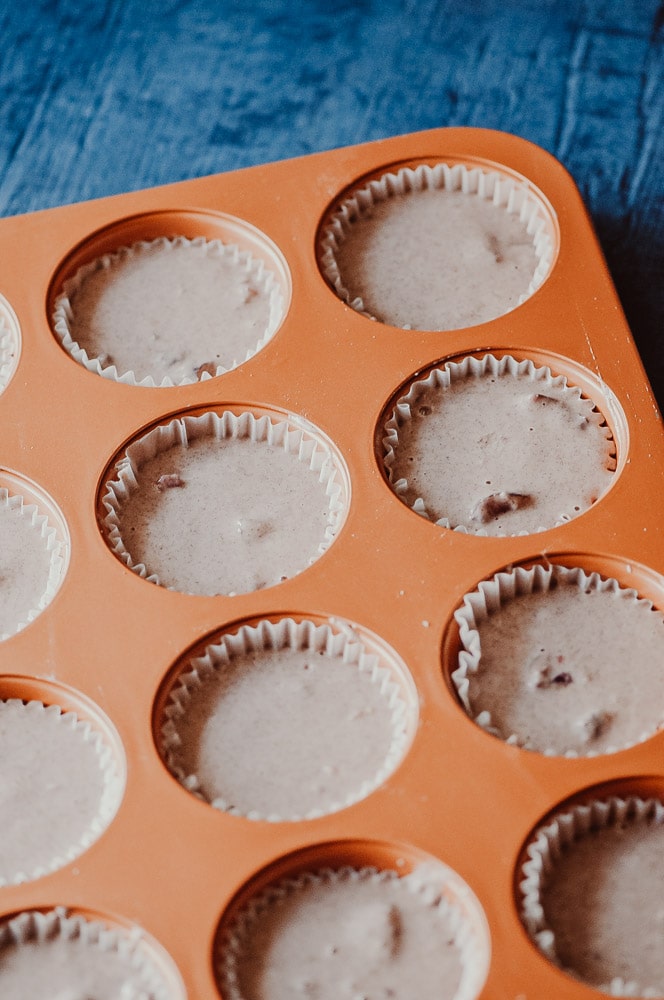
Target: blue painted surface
x=105, y=97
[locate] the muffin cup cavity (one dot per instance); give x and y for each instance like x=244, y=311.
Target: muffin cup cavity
x=557, y=837
x=521, y=498
x=183, y=433
x=451, y=913
x=308, y=772
x=75, y=766
x=557, y=678
x=253, y=283
x=119, y=964
x=35, y=553
x=516, y=197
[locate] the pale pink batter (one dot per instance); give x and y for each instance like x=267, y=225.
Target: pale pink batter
x=73, y=964
x=58, y=789
x=437, y=260
x=286, y=733
x=344, y=936
x=571, y=669
x=501, y=454
x=170, y=309
x=604, y=902
x=25, y=568
x=225, y=516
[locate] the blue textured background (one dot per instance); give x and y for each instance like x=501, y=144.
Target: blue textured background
x=105, y=97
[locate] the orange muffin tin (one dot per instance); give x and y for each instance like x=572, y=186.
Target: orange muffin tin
x=109, y=640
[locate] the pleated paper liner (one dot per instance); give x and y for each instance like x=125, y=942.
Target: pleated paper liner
x=496, y=446
x=35, y=551
x=344, y=931
x=286, y=720
x=599, y=919
x=9, y=344
x=67, y=955
x=437, y=247
x=168, y=311
x=543, y=659
x=62, y=786
x=278, y=521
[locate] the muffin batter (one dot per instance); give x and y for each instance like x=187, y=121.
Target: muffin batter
x=170, y=309
x=604, y=904
x=571, y=669
x=75, y=965
x=56, y=792
x=437, y=260
x=501, y=454
x=25, y=568
x=343, y=935
x=284, y=732
x=225, y=516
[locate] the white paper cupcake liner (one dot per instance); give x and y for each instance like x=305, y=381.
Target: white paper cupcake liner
x=248, y=266
x=54, y=545
x=283, y=635
x=35, y=927
x=544, y=851
x=8, y=351
x=514, y=196
x=490, y=596
x=488, y=366
x=281, y=434
x=437, y=886
x=111, y=794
